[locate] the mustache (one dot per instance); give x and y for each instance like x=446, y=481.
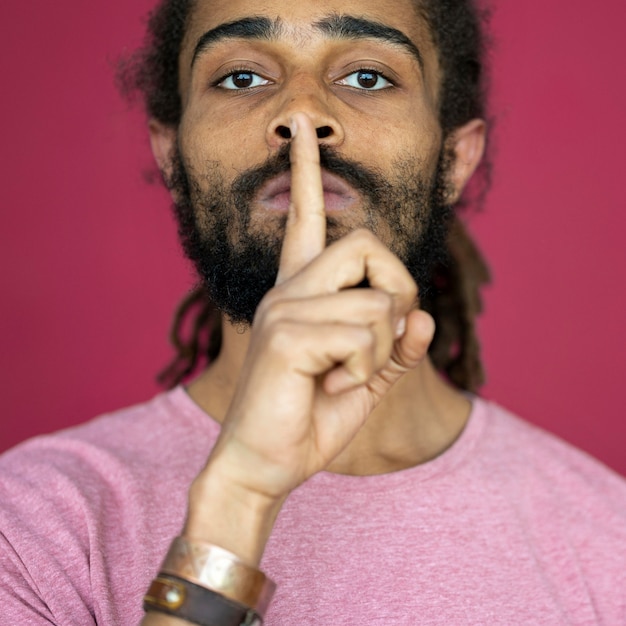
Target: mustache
x=366, y=180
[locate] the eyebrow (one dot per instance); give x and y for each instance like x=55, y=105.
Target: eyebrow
x=335, y=26
x=246, y=28
x=349, y=27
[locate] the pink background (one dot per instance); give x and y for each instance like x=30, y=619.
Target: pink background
x=90, y=265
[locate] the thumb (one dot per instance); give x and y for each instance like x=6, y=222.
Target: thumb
x=411, y=349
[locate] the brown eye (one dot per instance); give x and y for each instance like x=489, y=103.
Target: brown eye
x=242, y=80
x=367, y=80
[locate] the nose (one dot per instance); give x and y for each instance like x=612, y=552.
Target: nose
x=308, y=97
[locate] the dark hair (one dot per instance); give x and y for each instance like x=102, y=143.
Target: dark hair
x=457, y=29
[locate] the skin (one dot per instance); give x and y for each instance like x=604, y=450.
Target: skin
x=327, y=378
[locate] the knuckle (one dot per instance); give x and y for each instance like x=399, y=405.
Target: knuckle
x=381, y=303
x=270, y=308
x=364, y=339
x=406, y=291
x=363, y=236
x=275, y=311
x=280, y=337
x=411, y=293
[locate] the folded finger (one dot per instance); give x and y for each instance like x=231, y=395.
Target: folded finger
x=349, y=261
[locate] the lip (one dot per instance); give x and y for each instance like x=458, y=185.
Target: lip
x=275, y=195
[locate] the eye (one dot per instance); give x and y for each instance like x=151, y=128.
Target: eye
x=370, y=80
x=241, y=79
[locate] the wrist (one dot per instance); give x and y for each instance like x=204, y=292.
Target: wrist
x=227, y=514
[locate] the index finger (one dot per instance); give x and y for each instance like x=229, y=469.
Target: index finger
x=305, y=231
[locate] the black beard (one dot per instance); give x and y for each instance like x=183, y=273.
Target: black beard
x=238, y=267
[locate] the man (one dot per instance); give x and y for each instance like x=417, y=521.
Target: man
x=313, y=151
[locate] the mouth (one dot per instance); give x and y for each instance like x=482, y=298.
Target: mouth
x=275, y=195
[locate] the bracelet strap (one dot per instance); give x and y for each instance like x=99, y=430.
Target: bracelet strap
x=220, y=571
x=179, y=598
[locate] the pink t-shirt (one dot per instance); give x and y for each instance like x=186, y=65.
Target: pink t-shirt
x=508, y=526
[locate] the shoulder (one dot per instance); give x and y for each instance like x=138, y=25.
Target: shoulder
x=530, y=453
x=167, y=428
x=118, y=458
x=558, y=499
x=94, y=507
x=562, y=492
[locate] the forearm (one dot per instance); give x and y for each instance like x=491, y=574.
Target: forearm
x=227, y=515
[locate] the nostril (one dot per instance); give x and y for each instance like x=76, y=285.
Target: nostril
x=324, y=131
x=284, y=132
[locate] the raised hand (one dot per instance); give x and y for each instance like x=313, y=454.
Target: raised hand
x=321, y=355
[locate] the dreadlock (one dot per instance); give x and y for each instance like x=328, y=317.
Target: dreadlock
x=456, y=30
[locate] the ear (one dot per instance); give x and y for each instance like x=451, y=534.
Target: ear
x=163, y=142
x=467, y=145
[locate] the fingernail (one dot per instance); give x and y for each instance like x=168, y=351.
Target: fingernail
x=293, y=126
x=401, y=328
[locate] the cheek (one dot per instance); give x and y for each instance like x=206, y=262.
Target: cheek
x=236, y=141
x=419, y=143
x=410, y=129
x=427, y=140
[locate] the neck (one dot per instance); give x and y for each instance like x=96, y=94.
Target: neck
x=420, y=417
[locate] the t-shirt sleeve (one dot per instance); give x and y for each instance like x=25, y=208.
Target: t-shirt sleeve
x=43, y=545
x=87, y=514
x=21, y=599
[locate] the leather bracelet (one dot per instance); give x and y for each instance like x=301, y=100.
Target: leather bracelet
x=220, y=571
x=179, y=598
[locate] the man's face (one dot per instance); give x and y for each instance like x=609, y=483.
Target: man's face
x=366, y=73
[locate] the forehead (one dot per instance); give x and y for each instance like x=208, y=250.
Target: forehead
x=299, y=17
